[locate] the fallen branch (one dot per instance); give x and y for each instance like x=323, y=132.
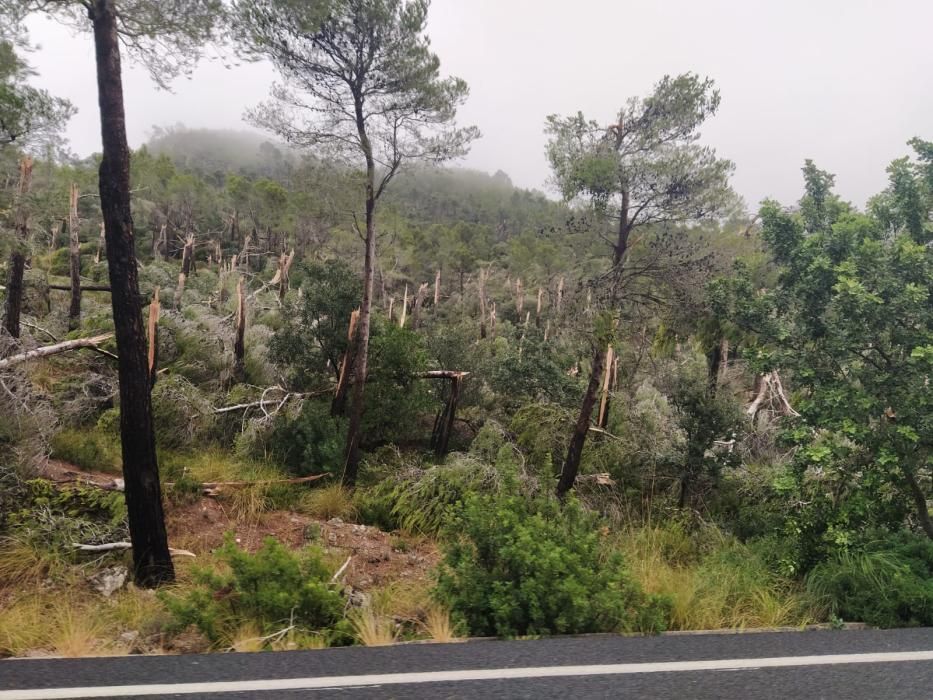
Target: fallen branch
x=340, y=571
x=442, y=374
x=55, y=349
x=114, y=546
x=84, y=287
x=262, y=403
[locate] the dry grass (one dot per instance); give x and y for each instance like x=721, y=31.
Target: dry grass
x=23, y=563
x=326, y=502
x=403, y=600
x=715, y=583
x=76, y=632
x=247, y=637
x=373, y=629
x=438, y=626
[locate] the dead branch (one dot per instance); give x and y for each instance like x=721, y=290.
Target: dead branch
x=55, y=349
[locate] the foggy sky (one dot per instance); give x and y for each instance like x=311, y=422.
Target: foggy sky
x=845, y=82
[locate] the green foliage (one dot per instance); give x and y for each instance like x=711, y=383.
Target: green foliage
x=88, y=448
x=519, y=566
x=313, y=336
x=887, y=582
x=54, y=517
x=273, y=588
x=182, y=415
x=312, y=442
x=423, y=501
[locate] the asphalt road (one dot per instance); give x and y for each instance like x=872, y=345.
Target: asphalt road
x=816, y=664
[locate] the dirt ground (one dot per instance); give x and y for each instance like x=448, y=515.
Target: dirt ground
x=377, y=558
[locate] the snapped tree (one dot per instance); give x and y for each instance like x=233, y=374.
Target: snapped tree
x=641, y=177
x=167, y=36
x=362, y=86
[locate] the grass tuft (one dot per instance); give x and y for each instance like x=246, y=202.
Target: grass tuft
x=326, y=502
x=373, y=629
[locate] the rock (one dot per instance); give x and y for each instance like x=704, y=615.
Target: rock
x=110, y=580
x=335, y=521
x=130, y=638
x=358, y=598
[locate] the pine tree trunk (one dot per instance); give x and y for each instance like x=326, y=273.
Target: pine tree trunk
x=361, y=359
x=568, y=474
x=14, y=289
x=14, y=293
x=152, y=561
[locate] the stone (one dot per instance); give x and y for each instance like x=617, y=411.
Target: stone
x=110, y=580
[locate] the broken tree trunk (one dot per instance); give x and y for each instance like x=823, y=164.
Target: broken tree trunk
x=74, y=249
x=519, y=296
x=239, y=347
x=571, y=466
x=437, y=288
x=538, y=308
x=444, y=422
x=101, y=244
x=47, y=350
x=603, y=418
x=560, y=294
x=404, y=316
x=153, y=354
x=483, y=276
x=338, y=405
x=14, y=289
x=416, y=306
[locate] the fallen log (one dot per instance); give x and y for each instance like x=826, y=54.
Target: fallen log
x=47, y=350
x=84, y=287
x=114, y=546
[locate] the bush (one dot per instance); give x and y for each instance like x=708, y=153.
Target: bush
x=423, y=500
x=524, y=567
x=181, y=414
x=88, y=448
x=271, y=589
x=886, y=583
x=312, y=442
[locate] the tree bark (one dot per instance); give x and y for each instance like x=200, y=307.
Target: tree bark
x=74, y=244
x=361, y=359
x=571, y=468
x=14, y=289
x=152, y=561
x=920, y=502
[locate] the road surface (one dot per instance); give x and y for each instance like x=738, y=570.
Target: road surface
x=814, y=664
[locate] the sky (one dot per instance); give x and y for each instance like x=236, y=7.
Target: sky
x=844, y=82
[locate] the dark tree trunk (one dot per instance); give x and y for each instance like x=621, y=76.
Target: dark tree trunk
x=152, y=561
x=568, y=473
x=14, y=289
x=14, y=293
x=361, y=353
x=625, y=228
x=444, y=423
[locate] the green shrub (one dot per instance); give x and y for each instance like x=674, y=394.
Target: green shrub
x=423, y=500
x=271, y=589
x=88, y=448
x=523, y=566
x=312, y=442
x=886, y=583
x=182, y=415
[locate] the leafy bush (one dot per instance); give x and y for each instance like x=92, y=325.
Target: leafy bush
x=272, y=589
x=88, y=448
x=887, y=583
x=311, y=442
x=181, y=413
x=525, y=566
x=423, y=500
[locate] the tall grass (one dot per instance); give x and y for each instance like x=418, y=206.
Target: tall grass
x=714, y=581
